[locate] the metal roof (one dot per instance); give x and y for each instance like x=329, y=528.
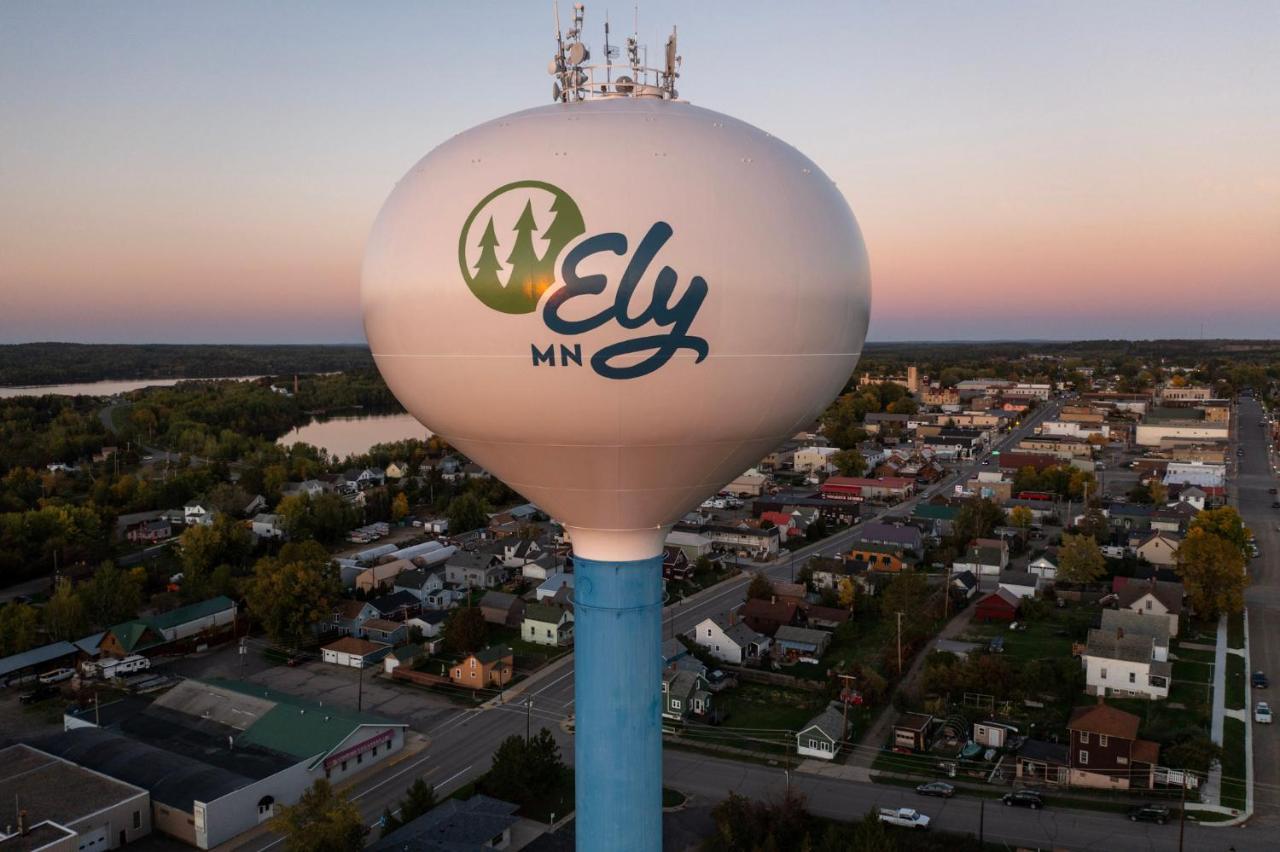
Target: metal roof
x=36, y=657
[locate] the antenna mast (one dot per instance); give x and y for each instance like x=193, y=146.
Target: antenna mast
x=575, y=80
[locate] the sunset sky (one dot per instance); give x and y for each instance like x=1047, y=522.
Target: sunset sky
x=208, y=172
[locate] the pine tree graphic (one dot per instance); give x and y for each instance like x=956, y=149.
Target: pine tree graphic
x=566, y=227
x=486, y=283
x=524, y=285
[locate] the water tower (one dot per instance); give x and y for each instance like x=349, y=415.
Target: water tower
x=616, y=303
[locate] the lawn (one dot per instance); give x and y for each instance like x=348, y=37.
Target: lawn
x=1042, y=640
x=864, y=640
x=1233, y=763
x=1235, y=682
x=1193, y=654
x=1235, y=630
x=761, y=717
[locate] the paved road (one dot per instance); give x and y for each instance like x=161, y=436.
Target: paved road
x=1255, y=476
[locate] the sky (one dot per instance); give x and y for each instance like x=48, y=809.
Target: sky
x=208, y=172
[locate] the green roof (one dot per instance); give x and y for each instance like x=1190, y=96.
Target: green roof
x=936, y=512
x=296, y=726
x=130, y=634
x=545, y=613
x=494, y=653
x=191, y=612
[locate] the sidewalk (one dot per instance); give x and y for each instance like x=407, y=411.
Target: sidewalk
x=1211, y=791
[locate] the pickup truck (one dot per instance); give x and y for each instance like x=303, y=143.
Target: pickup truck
x=905, y=817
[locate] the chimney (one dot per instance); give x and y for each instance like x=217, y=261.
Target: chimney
x=22, y=822
x=773, y=599
x=733, y=617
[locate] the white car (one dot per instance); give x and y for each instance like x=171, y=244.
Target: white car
x=1262, y=713
x=57, y=676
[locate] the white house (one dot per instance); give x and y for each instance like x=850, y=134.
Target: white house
x=1045, y=567
x=197, y=513
x=729, y=640
x=1193, y=496
x=1129, y=623
x=268, y=526
x=814, y=459
x=1159, y=548
x=984, y=557
x=546, y=624
x=1124, y=665
x=354, y=653
x=1020, y=584
x=823, y=736
x=551, y=586
x=1153, y=598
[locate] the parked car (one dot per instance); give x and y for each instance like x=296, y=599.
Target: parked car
x=936, y=788
x=57, y=676
x=1275, y=504
x=1259, y=681
x=1271, y=491
x=1023, y=799
x=40, y=693
x=905, y=817
x=1159, y=814
x=1262, y=713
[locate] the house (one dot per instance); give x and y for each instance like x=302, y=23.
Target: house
x=911, y=732
x=1045, y=566
x=475, y=570
x=515, y=552
x=751, y=541
x=964, y=585
x=397, y=606
x=268, y=525
x=397, y=470
x=1125, y=664
x=1137, y=624
x=382, y=576
x=878, y=557
x=673, y=650
x=419, y=582
x=750, y=484
x=1194, y=496
x=386, y=631
x=675, y=563
x=800, y=644
x=149, y=532
x=1021, y=584
x=693, y=544
x=730, y=640
x=825, y=617
x=1159, y=548
x=888, y=489
x=1040, y=762
x=1153, y=597
x=502, y=608
x=814, y=459
x=429, y=622
x=824, y=735
x=766, y=616
x=935, y=519
x=309, y=487
x=684, y=693
x=490, y=667
x=553, y=586
x=1000, y=605
x=542, y=566
x=546, y=624
x=141, y=634
x=354, y=653
x=984, y=557
x=787, y=591
x=478, y=823
x=1106, y=752
x=194, y=514
x=896, y=535
x=349, y=617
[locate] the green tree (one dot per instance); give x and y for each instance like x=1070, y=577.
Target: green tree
x=1212, y=570
x=467, y=512
x=1196, y=753
x=760, y=588
x=418, y=799
x=977, y=518
x=322, y=821
x=870, y=835
x=291, y=592
x=111, y=596
x=849, y=463
x=842, y=421
x=1080, y=560
x=523, y=770
x=907, y=593
x=1021, y=517
x=465, y=630
x=64, y=613
x=19, y=628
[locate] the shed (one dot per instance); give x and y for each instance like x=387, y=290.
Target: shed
x=1000, y=605
x=911, y=732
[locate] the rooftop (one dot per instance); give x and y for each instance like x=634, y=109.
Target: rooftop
x=1104, y=719
x=453, y=826
x=49, y=788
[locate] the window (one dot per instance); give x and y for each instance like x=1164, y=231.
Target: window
x=1102, y=740
x=1084, y=758
x=1122, y=760
x=344, y=766
x=708, y=631
x=137, y=819
x=1133, y=677
x=825, y=746
x=1084, y=737
x=675, y=704
x=360, y=758
x=1104, y=674
x=548, y=634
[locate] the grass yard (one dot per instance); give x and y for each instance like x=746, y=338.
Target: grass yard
x=1235, y=630
x=1160, y=721
x=1202, y=632
x=1042, y=640
x=863, y=640
x=762, y=707
x=1233, y=763
x=1191, y=654
x=1235, y=682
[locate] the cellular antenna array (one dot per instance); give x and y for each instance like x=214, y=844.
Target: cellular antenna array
x=577, y=80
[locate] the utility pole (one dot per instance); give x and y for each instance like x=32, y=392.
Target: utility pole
x=1182, y=813
x=844, y=731
x=360, y=688
x=982, y=812
x=528, y=713
x=899, y=643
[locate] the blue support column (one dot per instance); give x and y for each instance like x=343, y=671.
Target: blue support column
x=618, y=700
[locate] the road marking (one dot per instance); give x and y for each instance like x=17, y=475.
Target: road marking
x=391, y=778
x=455, y=775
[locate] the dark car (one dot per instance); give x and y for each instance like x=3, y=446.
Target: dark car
x=936, y=788
x=1158, y=814
x=1023, y=799
x=1275, y=504
x=1259, y=681
x=1271, y=491
x=40, y=693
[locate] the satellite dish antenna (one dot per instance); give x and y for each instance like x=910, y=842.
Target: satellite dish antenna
x=553, y=67
x=578, y=53
x=555, y=91
x=624, y=85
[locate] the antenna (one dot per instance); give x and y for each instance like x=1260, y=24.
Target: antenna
x=575, y=80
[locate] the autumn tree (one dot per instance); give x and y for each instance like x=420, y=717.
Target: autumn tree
x=291, y=592
x=1021, y=517
x=323, y=820
x=1225, y=523
x=465, y=630
x=849, y=463
x=760, y=587
x=399, y=507
x=1212, y=570
x=1080, y=560
x=64, y=616
x=112, y=595
x=846, y=593
x=19, y=628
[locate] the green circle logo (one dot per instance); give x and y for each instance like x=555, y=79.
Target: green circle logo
x=509, y=245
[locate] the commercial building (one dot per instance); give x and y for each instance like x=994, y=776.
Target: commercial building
x=50, y=803
x=218, y=756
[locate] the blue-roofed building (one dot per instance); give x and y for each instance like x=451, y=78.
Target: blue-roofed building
x=474, y=825
x=36, y=661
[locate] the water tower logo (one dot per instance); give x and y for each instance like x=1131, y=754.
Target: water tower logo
x=542, y=220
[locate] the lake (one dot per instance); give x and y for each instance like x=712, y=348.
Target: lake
x=109, y=387
x=345, y=436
